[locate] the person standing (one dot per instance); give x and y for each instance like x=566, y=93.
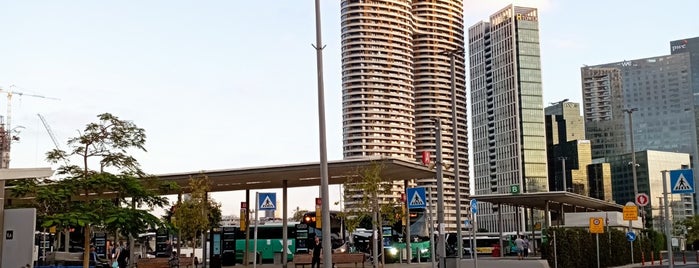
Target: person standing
x=122, y=255
x=526, y=247
x=520, y=247
x=317, y=248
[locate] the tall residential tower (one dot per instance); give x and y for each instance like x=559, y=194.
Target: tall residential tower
x=396, y=81
x=509, y=140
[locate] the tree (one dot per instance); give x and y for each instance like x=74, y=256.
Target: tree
x=364, y=190
x=197, y=212
x=298, y=214
x=691, y=225
x=107, y=189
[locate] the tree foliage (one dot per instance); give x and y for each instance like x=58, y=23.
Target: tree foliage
x=691, y=226
x=364, y=190
x=197, y=212
x=105, y=189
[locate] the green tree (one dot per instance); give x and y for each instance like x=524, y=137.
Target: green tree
x=106, y=189
x=691, y=225
x=364, y=189
x=197, y=212
x=298, y=214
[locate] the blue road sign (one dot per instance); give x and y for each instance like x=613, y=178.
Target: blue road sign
x=682, y=181
x=416, y=197
x=474, y=206
x=631, y=236
x=267, y=201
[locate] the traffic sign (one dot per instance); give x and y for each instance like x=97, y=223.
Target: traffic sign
x=514, y=189
x=416, y=197
x=268, y=201
x=682, y=181
x=630, y=212
x=474, y=206
x=596, y=225
x=631, y=236
x=642, y=199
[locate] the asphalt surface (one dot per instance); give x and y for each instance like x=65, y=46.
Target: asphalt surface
x=482, y=262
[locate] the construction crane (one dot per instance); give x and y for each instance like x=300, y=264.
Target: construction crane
x=48, y=129
x=10, y=93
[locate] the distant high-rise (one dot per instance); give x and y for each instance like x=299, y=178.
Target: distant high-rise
x=565, y=141
x=661, y=92
x=396, y=80
x=508, y=113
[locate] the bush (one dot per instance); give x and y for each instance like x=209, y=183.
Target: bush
x=576, y=247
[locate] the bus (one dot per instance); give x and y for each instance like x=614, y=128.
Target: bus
x=486, y=243
x=394, y=242
x=338, y=234
x=269, y=241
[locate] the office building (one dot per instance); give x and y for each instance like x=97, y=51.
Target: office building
x=599, y=176
x=396, y=81
x=650, y=163
x=507, y=109
x=565, y=142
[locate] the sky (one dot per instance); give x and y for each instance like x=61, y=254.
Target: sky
x=230, y=84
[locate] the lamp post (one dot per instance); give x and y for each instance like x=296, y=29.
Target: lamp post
x=441, y=247
x=563, y=169
x=633, y=151
x=455, y=143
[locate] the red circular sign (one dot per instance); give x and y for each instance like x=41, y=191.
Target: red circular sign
x=642, y=199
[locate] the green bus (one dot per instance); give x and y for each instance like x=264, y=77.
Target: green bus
x=394, y=241
x=269, y=241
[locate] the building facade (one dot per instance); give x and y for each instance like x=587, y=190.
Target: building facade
x=599, y=176
x=396, y=81
x=509, y=144
x=565, y=142
x=649, y=180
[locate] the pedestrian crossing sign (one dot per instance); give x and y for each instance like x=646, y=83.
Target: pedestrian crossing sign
x=268, y=201
x=682, y=181
x=416, y=197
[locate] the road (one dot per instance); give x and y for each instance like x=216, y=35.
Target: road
x=484, y=262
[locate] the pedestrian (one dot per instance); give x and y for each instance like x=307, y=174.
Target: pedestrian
x=122, y=255
x=317, y=248
x=526, y=247
x=520, y=247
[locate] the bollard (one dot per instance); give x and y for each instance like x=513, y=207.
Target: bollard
x=684, y=258
x=652, y=258
x=660, y=258
x=643, y=259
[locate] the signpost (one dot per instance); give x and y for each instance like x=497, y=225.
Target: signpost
x=642, y=199
x=630, y=214
x=264, y=201
x=474, y=211
x=416, y=197
x=597, y=227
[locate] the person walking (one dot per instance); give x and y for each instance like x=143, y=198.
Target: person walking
x=520, y=247
x=317, y=248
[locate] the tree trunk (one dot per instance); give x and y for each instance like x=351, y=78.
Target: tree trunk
x=86, y=247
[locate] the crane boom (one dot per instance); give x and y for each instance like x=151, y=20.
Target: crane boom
x=48, y=129
x=8, y=126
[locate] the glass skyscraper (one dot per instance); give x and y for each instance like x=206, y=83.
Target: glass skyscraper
x=509, y=144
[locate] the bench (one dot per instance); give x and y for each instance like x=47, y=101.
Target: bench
x=163, y=262
x=339, y=258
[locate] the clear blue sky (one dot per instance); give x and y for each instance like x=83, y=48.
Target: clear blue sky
x=228, y=84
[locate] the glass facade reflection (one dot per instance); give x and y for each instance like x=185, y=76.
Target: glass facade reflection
x=507, y=111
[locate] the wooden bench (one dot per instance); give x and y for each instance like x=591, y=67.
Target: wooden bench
x=339, y=258
x=163, y=262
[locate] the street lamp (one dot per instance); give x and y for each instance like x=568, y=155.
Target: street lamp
x=441, y=247
x=455, y=141
x=633, y=151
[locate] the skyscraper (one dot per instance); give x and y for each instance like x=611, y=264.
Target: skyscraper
x=396, y=80
x=565, y=141
x=509, y=140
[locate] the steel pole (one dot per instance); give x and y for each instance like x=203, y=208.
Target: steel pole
x=668, y=223
x=441, y=248
x=455, y=144
x=431, y=222
x=563, y=169
x=325, y=196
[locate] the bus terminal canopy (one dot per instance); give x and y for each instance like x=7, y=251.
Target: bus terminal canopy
x=570, y=202
x=300, y=175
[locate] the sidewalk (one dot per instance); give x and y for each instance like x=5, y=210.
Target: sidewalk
x=489, y=262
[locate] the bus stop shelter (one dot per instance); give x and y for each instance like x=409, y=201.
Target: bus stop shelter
x=299, y=175
x=558, y=201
